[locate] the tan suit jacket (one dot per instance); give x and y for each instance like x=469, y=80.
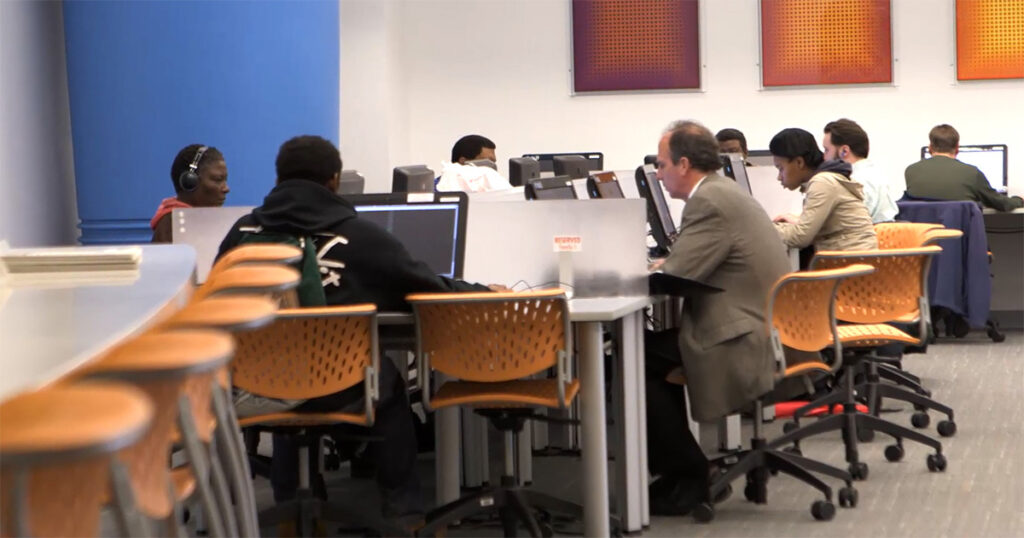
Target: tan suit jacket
x=726, y=241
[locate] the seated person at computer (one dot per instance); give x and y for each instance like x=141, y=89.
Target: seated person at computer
x=942, y=177
x=200, y=179
x=834, y=216
x=458, y=175
x=847, y=141
x=360, y=262
x=732, y=141
x=727, y=241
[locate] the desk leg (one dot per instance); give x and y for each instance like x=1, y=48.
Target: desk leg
x=595, y=443
x=630, y=441
x=446, y=451
x=641, y=409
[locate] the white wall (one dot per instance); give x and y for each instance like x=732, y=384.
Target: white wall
x=501, y=68
x=37, y=187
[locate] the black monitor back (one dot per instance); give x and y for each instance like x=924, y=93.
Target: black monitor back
x=351, y=182
x=412, y=178
x=734, y=167
x=522, y=169
x=604, y=185
x=550, y=188
x=760, y=157
x=574, y=166
x=547, y=163
x=651, y=159
x=659, y=216
x=432, y=230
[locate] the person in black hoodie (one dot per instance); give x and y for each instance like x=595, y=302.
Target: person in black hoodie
x=359, y=262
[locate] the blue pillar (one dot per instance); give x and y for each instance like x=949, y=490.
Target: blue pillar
x=148, y=78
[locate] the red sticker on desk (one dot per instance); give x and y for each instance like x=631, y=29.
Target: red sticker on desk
x=568, y=243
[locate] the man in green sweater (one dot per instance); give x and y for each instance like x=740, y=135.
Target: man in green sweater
x=942, y=177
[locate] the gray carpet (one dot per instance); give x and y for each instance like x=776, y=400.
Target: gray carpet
x=980, y=494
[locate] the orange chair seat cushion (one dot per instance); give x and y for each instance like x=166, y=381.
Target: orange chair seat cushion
x=676, y=377
x=786, y=409
x=805, y=368
x=873, y=335
x=541, y=392
x=184, y=482
x=303, y=419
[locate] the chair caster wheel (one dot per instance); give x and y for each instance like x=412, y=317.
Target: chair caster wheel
x=859, y=470
x=920, y=420
x=703, y=513
x=789, y=427
x=946, y=428
x=848, y=497
x=750, y=492
x=722, y=495
x=823, y=510
x=894, y=452
x=936, y=462
x=865, y=435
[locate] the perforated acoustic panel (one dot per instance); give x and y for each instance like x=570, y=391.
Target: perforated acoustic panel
x=989, y=39
x=825, y=42
x=635, y=45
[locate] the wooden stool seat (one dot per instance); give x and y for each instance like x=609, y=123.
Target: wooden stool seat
x=257, y=253
x=232, y=313
x=56, y=448
x=250, y=278
x=176, y=352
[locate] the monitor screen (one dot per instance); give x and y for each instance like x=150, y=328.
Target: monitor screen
x=432, y=231
x=990, y=159
x=659, y=216
x=550, y=188
x=604, y=185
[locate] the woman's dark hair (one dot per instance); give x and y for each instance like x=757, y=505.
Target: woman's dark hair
x=308, y=157
x=793, y=142
x=184, y=158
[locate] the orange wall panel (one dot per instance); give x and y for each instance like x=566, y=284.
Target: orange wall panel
x=989, y=39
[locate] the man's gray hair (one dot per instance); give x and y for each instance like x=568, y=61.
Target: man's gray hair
x=690, y=139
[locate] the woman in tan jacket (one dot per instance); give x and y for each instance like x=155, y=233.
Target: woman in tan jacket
x=834, y=216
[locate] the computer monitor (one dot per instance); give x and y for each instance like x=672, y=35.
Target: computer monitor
x=651, y=159
x=574, y=166
x=550, y=188
x=989, y=158
x=412, y=178
x=351, y=182
x=760, y=157
x=604, y=185
x=547, y=160
x=522, y=169
x=734, y=167
x=484, y=162
x=659, y=216
x=433, y=230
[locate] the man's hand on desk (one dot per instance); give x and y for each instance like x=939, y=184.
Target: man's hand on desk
x=787, y=218
x=499, y=287
x=656, y=265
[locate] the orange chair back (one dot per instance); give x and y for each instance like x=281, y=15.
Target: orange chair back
x=491, y=337
x=903, y=234
x=801, y=306
x=307, y=352
x=894, y=292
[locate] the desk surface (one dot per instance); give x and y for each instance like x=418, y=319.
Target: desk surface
x=48, y=331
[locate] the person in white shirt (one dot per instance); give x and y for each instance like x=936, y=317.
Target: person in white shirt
x=847, y=141
x=461, y=175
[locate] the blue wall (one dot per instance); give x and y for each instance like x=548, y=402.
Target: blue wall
x=148, y=78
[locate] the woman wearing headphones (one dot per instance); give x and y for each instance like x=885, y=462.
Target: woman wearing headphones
x=200, y=179
x=834, y=216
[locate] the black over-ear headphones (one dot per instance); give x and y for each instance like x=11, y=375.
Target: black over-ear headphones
x=189, y=179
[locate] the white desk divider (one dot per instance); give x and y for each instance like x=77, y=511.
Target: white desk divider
x=204, y=228
x=773, y=197
x=509, y=242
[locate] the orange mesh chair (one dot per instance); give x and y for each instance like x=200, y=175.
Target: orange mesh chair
x=903, y=234
x=801, y=314
x=249, y=279
x=57, y=457
x=161, y=364
x=307, y=353
x=494, y=345
x=895, y=291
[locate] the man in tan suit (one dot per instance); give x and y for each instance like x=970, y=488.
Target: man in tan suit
x=726, y=241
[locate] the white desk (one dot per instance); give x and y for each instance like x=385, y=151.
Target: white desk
x=46, y=332
x=630, y=432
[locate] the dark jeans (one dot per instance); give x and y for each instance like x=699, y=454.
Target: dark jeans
x=395, y=455
x=671, y=448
